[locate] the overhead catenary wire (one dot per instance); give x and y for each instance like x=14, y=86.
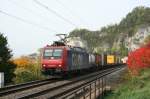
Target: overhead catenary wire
x=73, y=13
x=27, y=21
x=29, y=10
x=54, y=12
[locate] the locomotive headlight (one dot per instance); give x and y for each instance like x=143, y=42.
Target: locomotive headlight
x=44, y=65
x=59, y=65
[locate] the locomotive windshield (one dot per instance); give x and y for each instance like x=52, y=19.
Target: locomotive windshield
x=52, y=53
x=57, y=52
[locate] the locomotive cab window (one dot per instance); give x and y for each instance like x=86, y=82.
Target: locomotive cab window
x=48, y=53
x=57, y=53
x=52, y=53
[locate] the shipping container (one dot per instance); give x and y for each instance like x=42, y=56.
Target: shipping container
x=98, y=59
x=91, y=59
x=77, y=60
x=110, y=59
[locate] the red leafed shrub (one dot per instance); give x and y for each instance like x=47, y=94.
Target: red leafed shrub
x=138, y=59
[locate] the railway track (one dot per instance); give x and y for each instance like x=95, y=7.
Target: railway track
x=20, y=87
x=48, y=88
x=53, y=92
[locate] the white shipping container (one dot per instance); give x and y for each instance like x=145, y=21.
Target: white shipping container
x=1, y=79
x=91, y=58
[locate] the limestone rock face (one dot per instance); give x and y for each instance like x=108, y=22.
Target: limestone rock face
x=138, y=39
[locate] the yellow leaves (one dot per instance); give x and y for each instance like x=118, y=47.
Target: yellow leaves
x=23, y=62
x=28, y=69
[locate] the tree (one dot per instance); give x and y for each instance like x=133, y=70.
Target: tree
x=6, y=65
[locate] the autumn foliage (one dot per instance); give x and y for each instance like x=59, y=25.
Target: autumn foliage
x=139, y=59
x=27, y=70
x=23, y=62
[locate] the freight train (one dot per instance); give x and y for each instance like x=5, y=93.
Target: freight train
x=63, y=59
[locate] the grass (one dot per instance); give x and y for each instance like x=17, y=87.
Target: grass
x=133, y=87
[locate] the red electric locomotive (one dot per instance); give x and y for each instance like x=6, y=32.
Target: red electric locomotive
x=60, y=58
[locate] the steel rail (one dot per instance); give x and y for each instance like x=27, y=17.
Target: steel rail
x=69, y=92
x=64, y=85
x=20, y=87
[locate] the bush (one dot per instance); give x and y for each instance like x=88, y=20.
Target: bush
x=28, y=74
x=135, y=87
x=27, y=70
x=23, y=76
x=23, y=62
x=139, y=59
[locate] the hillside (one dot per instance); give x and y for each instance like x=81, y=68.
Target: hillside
x=118, y=37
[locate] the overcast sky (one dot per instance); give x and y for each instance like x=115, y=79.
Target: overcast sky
x=38, y=26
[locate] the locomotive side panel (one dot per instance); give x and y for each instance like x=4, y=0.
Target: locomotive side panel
x=77, y=60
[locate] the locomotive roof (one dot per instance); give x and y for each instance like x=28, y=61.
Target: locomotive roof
x=67, y=47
